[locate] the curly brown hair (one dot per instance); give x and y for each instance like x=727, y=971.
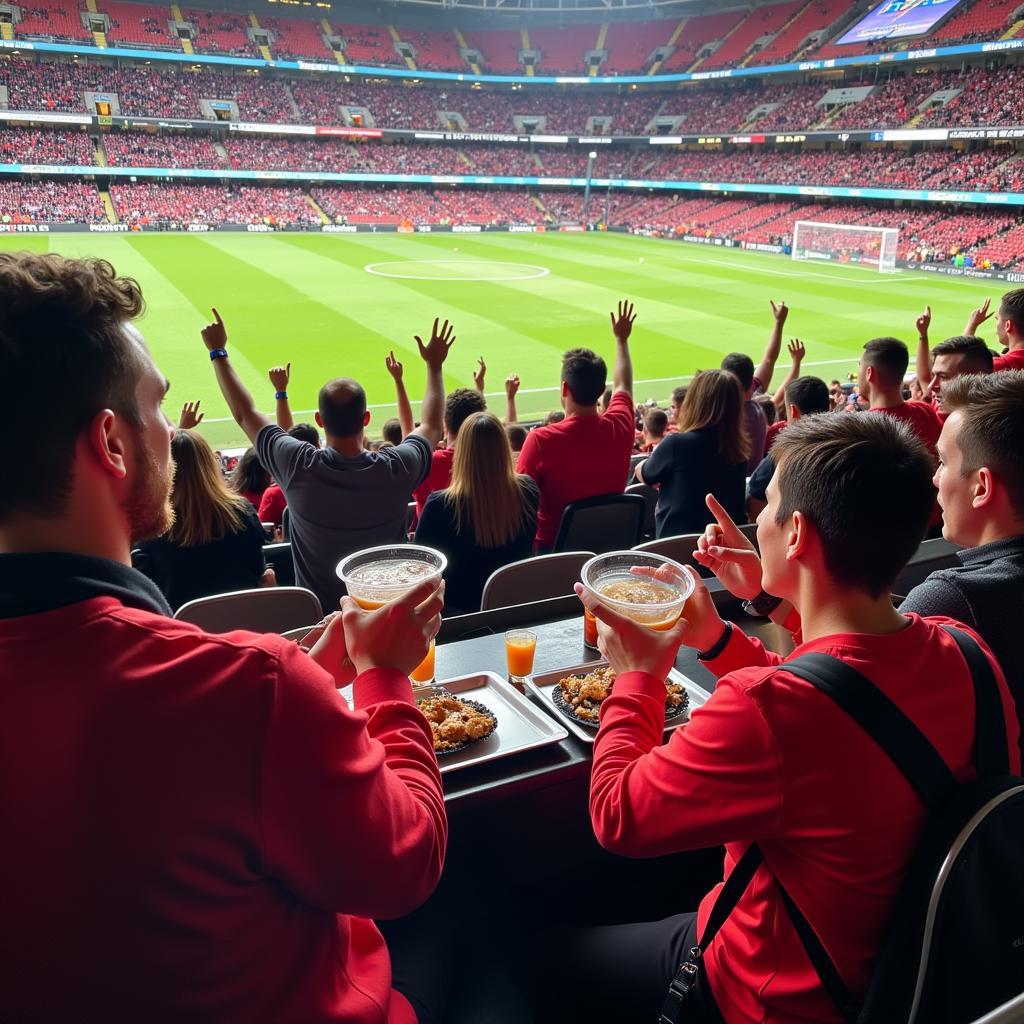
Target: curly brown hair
x=62, y=341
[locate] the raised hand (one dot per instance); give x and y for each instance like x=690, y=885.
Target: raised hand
x=215, y=335
x=728, y=554
x=441, y=340
x=396, y=635
x=780, y=312
x=511, y=386
x=622, y=324
x=923, y=322
x=190, y=416
x=797, y=351
x=280, y=376
x=978, y=317
x=479, y=374
x=395, y=368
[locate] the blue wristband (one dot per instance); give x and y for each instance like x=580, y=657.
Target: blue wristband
x=218, y=353
x=280, y=394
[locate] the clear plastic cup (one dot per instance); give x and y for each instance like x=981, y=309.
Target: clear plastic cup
x=653, y=603
x=382, y=574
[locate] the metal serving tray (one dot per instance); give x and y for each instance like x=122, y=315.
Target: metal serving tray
x=542, y=686
x=520, y=725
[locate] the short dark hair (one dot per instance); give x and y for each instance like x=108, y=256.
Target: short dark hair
x=306, y=432
x=992, y=432
x=391, y=431
x=656, y=422
x=767, y=406
x=61, y=335
x=890, y=357
x=516, y=435
x=978, y=356
x=1011, y=307
x=553, y=417
x=585, y=374
x=679, y=395
x=459, y=406
x=833, y=469
x=808, y=394
x=342, y=405
x=740, y=366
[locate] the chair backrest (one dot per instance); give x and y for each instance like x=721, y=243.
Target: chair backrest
x=279, y=558
x=297, y=634
x=286, y=519
x=608, y=522
x=930, y=555
x=264, y=610
x=650, y=496
x=533, y=579
x=1009, y=1013
x=680, y=549
x=634, y=461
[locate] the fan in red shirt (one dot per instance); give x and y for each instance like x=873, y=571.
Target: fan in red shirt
x=1010, y=331
x=769, y=759
x=199, y=827
x=963, y=353
x=587, y=453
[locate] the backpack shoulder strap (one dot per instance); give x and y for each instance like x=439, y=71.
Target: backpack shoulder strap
x=882, y=720
x=991, y=750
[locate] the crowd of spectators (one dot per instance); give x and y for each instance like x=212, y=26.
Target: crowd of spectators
x=144, y=149
x=40, y=202
x=32, y=146
x=146, y=204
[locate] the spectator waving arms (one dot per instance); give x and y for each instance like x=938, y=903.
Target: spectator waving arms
x=397, y=371
x=279, y=377
x=434, y=353
x=236, y=394
x=622, y=328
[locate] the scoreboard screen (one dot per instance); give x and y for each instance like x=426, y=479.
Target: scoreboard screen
x=899, y=19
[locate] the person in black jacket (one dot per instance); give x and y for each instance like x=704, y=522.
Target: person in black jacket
x=216, y=542
x=486, y=518
x=707, y=454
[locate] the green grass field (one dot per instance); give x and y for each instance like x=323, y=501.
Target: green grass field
x=308, y=299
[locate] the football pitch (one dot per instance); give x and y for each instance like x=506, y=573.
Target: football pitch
x=334, y=305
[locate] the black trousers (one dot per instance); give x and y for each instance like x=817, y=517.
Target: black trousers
x=617, y=973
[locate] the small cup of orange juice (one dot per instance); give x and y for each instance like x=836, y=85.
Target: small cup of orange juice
x=520, y=647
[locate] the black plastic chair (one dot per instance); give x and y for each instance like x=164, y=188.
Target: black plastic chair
x=608, y=522
x=279, y=558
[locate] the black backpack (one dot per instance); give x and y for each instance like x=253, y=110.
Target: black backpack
x=954, y=948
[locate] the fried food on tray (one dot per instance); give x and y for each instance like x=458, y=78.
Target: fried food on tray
x=456, y=723
x=584, y=694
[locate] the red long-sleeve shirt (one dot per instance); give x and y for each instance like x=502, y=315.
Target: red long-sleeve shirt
x=771, y=759
x=196, y=827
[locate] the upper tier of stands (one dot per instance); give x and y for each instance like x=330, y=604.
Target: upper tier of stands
x=980, y=97
x=769, y=33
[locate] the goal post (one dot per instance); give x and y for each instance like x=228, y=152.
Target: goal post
x=846, y=243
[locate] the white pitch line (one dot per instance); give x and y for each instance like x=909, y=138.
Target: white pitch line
x=810, y=273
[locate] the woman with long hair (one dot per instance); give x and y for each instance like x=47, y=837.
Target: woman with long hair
x=707, y=455
x=250, y=479
x=216, y=542
x=486, y=518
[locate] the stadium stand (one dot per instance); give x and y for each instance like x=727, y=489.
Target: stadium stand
x=136, y=149
x=220, y=32
x=31, y=146
x=499, y=47
x=436, y=50
x=792, y=41
x=630, y=45
x=698, y=32
x=562, y=48
x=151, y=204
x=984, y=19
x=138, y=24
x=52, y=21
x=296, y=37
x=367, y=44
x=39, y=202
x=760, y=22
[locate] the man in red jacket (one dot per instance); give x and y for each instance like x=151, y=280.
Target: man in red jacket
x=195, y=827
x=770, y=759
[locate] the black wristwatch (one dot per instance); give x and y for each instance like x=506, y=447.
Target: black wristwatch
x=763, y=605
x=719, y=647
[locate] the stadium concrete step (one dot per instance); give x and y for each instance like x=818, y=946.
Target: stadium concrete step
x=186, y=44
x=395, y=37
x=328, y=31
x=742, y=21
x=6, y=30
x=99, y=154
x=524, y=39
x=1014, y=30
x=465, y=159
x=461, y=40
x=264, y=50
x=832, y=115
x=291, y=99
x=915, y=120
x=100, y=39
x=676, y=33
x=315, y=207
x=602, y=36
x=108, y=205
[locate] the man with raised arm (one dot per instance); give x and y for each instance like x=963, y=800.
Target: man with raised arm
x=1009, y=328
x=768, y=758
x=587, y=453
x=199, y=828
x=756, y=381
x=341, y=497
x=963, y=353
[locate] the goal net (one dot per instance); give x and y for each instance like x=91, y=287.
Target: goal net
x=846, y=243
